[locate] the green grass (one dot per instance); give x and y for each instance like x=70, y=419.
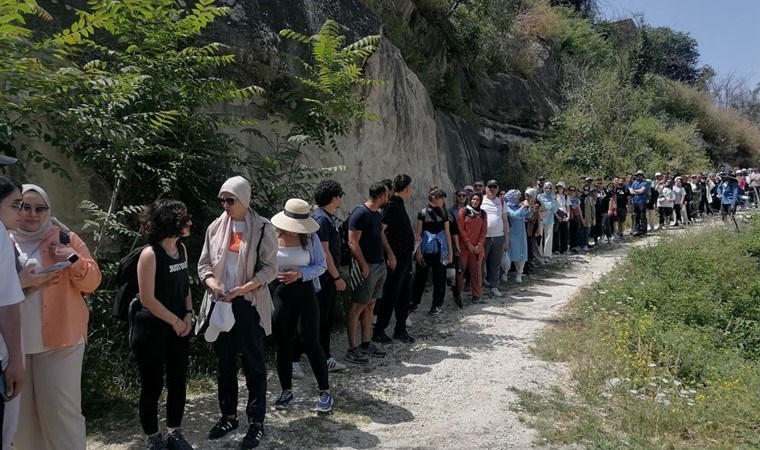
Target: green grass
x=664, y=351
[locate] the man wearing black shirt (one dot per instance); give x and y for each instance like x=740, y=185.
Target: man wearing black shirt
x=621, y=192
x=397, y=287
x=367, y=242
x=328, y=195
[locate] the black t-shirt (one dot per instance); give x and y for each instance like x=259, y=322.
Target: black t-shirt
x=622, y=196
x=369, y=223
x=433, y=219
x=453, y=226
x=328, y=232
x=398, y=229
x=172, y=280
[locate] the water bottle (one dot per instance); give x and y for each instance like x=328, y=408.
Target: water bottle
x=451, y=275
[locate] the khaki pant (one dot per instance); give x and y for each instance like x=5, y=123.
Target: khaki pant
x=10, y=422
x=51, y=412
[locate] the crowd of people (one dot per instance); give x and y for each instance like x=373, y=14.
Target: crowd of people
x=281, y=276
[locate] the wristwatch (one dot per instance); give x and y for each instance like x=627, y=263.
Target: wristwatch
x=336, y=278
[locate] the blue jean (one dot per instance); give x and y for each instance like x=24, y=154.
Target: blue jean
x=585, y=231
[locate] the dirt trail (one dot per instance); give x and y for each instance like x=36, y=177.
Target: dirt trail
x=453, y=388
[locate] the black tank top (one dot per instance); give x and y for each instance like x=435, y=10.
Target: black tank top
x=172, y=280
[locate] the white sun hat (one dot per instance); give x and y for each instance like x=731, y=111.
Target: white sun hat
x=295, y=218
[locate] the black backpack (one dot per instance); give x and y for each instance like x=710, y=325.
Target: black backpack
x=345, y=251
x=126, y=284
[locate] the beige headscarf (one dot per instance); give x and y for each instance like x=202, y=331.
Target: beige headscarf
x=215, y=249
x=22, y=236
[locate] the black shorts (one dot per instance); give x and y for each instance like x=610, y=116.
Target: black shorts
x=622, y=214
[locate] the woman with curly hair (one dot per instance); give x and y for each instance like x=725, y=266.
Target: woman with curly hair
x=160, y=333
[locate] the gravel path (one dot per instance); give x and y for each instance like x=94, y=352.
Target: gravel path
x=453, y=388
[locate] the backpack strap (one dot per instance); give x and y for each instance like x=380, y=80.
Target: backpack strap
x=257, y=266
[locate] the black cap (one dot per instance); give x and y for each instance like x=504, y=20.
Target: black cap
x=7, y=160
x=492, y=183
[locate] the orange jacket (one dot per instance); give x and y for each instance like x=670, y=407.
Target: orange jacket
x=64, y=311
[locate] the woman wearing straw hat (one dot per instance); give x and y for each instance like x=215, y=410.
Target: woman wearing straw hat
x=301, y=260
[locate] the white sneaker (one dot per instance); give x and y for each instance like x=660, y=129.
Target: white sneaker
x=495, y=292
x=408, y=322
x=504, y=278
x=334, y=366
x=374, y=319
x=297, y=371
x=518, y=278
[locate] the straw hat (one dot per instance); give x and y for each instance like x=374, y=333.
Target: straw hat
x=295, y=218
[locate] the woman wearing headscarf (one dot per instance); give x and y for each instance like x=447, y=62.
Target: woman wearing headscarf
x=518, y=213
x=546, y=212
x=54, y=328
x=238, y=261
x=301, y=260
x=472, y=231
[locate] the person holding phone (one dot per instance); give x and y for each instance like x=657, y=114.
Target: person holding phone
x=160, y=330
x=238, y=261
x=54, y=328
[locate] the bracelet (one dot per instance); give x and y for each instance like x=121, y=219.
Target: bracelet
x=336, y=278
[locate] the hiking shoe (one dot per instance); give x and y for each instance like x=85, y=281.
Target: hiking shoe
x=283, y=401
x=369, y=348
x=297, y=371
x=253, y=437
x=381, y=338
x=518, y=278
x=458, y=302
x=224, y=426
x=434, y=311
x=495, y=292
x=176, y=441
x=325, y=402
x=334, y=366
x=356, y=356
x=404, y=337
x=155, y=442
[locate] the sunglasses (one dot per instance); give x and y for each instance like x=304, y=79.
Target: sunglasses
x=461, y=195
x=493, y=186
x=571, y=190
x=27, y=208
x=229, y=200
x=478, y=185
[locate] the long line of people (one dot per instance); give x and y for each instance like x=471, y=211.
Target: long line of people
x=281, y=277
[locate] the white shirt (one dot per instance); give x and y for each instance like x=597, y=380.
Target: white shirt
x=561, y=202
x=10, y=287
x=494, y=212
x=233, y=255
x=292, y=257
x=31, y=309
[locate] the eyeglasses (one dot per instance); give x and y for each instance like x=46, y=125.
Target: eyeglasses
x=27, y=208
x=228, y=200
x=17, y=204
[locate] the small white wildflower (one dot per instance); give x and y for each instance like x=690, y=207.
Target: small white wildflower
x=633, y=391
x=652, y=365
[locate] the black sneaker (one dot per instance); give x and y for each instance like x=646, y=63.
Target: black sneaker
x=224, y=426
x=176, y=441
x=356, y=356
x=413, y=307
x=155, y=442
x=371, y=349
x=283, y=401
x=381, y=337
x=458, y=302
x=404, y=337
x=253, y=437
x=434, y=311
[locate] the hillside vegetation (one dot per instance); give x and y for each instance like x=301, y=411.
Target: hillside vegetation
x=631, y=96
